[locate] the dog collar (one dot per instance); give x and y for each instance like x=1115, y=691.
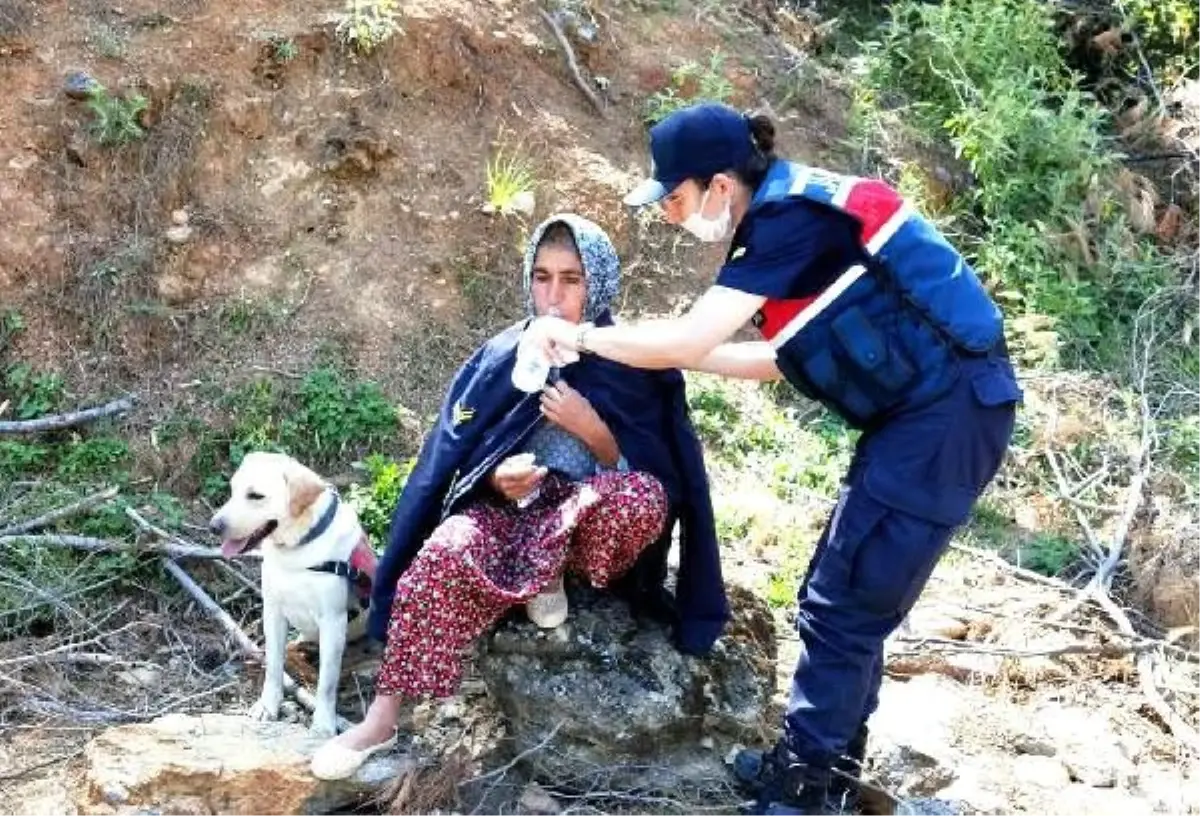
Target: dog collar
x=323, y=522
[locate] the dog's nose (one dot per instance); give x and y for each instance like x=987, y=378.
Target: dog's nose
x=217, y=526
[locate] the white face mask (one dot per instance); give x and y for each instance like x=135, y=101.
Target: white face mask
x=709, y=230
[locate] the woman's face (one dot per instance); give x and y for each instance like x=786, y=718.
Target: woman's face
x=559, y=286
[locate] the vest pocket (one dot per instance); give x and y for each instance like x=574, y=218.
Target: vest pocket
x=867, y=348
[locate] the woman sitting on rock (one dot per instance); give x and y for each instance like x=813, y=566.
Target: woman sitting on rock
x=512, y=489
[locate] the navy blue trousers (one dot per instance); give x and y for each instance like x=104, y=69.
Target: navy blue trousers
x=912, y=482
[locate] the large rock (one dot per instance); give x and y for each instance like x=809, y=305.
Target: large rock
x=630, y=710
x=217, y=763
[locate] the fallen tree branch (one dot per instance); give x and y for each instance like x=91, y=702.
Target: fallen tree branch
x=89, y=544
x=565, y=44
x=1145, y=667
x=1104, y=650
x=1065, y=492
x=73, y=509
x=57, y=422
x=1020, y=572
x=66, y=647
x=248, y=646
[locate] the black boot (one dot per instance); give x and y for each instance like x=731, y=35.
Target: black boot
x=785, y=784
x=843, y=793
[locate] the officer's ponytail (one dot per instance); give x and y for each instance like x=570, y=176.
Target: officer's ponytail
x=754, y=169
x=762, y=133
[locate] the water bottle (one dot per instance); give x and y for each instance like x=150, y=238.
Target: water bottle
x=531, y=369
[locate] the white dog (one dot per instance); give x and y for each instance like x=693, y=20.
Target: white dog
x=317, y=564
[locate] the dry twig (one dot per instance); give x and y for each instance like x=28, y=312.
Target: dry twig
x=565, y=44
x=89, y=544
x=73, y=509
x=57, y=422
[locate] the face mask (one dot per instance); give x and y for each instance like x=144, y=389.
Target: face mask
x=709, y=230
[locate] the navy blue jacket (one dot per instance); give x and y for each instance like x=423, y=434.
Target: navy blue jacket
x=484, y=419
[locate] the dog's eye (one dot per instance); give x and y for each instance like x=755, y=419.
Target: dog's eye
x=253, y=496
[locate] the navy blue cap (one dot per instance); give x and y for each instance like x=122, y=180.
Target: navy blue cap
x=695, y=142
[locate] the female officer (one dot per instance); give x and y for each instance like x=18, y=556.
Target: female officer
x=866, y=308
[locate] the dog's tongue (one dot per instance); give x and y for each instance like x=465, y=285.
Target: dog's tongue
x=232, y=546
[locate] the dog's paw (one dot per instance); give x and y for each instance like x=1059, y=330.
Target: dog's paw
x=264, y=709
x=323, y=725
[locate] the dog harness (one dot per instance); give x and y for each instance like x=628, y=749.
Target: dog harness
x=359, y=570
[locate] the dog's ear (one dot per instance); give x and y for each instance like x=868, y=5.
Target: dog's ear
x=304, y=487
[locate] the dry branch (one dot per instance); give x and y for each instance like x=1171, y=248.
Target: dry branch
x=1020, y=572
x=73, y=509
x=565, y=44
x=248, y=647
x=57, y=422
x=65, y=648
x=75, y=542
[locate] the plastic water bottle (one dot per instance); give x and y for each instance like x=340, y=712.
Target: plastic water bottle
x=531, y=370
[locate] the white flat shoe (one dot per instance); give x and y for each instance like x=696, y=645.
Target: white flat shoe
x=332, y=761
x=548, y=608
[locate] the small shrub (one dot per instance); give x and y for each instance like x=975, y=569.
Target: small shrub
x=1045, y=223
x=510, y=184
x=11, y=324
x=367, y=24
x=1048, y=554
x=283, y=49
x=319, y=421
x=690, y=83
x=22, y=459
x=101, y=457
x=116, y=120
x=32, y=393
x=375, y=501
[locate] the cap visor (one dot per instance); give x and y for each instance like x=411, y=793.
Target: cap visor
x=645, y=193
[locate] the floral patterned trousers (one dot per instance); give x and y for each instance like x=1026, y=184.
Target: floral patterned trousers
x=492, y=556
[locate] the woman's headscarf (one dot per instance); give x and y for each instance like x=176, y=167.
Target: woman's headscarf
x=601, y=266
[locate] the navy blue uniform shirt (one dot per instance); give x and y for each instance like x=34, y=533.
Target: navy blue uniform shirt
x=791, y=250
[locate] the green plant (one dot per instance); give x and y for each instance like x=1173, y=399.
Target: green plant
x=367, y=24
x=335, y=414
x=283, y=49
x=32, y=393
x=116, y=120
x=1043, y=222
x=689, y=83
x=319, y=420
x=1047, y=554
x=102, y=456
x=22, y=458
x=375, y=501
x=510, y=184
x=11, y=324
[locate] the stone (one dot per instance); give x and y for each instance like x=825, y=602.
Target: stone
x=928, y=807
x=934, y=622
x=537, y=802
x=218, y=763
x=80, y=85
x=179, y=234
x=1087, y=744
x=607, y=693
x=1040, y=771
x=912, y=735
x=179, y=217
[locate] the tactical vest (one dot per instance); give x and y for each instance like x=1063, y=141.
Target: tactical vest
x=885, y=334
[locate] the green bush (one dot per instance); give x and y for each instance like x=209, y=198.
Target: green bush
x=1044, y=224
x=375, y=501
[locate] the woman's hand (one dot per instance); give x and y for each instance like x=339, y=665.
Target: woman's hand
x=571, y=411
x=517, y=476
